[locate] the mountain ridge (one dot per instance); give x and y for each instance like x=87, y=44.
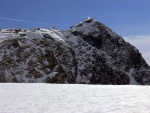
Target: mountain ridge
x=88, y=53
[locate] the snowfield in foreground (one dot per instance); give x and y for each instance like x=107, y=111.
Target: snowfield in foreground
x=58, y=98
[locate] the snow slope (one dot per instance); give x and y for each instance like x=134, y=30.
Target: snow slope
x=52, y=98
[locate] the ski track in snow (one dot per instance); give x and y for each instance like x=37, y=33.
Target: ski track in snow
x=58, y=98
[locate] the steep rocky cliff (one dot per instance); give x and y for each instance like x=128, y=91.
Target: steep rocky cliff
x=89, y=52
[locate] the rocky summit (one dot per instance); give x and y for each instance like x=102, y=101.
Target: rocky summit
x=87, y=53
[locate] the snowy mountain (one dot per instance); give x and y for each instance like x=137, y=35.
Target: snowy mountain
x=88, y=52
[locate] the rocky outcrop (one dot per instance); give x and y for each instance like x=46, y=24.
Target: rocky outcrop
x=87, y=53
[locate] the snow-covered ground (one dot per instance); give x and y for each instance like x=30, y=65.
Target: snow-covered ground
x=58, y=98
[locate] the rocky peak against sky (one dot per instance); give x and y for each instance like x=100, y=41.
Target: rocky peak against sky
x=88, y=52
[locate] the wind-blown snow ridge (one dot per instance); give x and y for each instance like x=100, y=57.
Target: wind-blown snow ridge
x=89, y=52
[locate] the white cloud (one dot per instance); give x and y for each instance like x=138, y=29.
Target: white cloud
x=142, y=43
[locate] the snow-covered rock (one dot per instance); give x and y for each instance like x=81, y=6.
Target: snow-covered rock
x=89, y=52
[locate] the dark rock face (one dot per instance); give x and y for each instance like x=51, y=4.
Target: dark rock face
x=87, y=53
